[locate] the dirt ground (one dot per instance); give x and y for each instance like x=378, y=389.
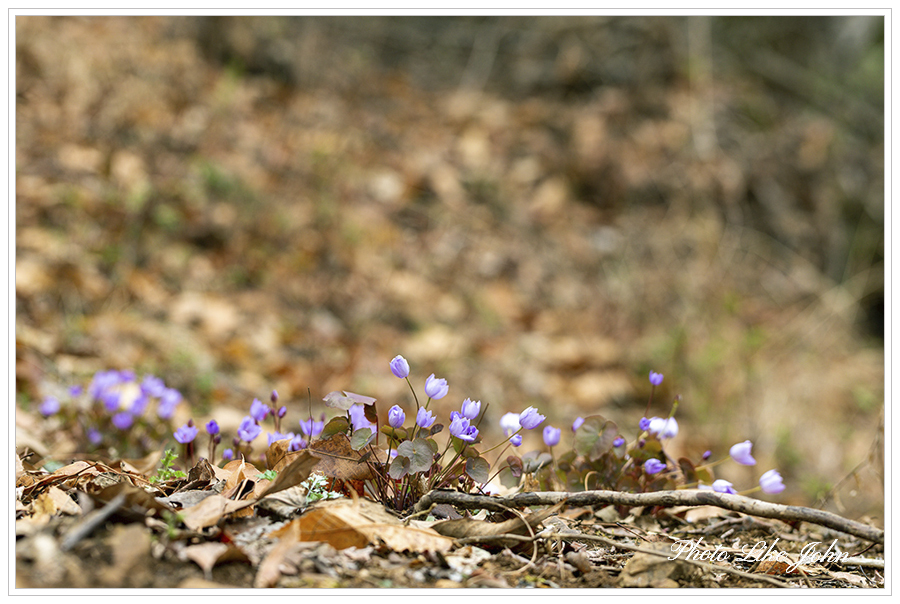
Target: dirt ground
x=540, y=212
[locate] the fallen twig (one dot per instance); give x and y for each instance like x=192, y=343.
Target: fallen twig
x=91, y=522
x=735, y=503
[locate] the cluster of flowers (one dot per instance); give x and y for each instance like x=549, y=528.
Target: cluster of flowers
x=125, y=400
x=120, y=400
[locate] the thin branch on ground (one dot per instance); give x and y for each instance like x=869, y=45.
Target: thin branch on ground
x=735, y=503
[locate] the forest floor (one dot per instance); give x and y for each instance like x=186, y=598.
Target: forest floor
x=236, y=233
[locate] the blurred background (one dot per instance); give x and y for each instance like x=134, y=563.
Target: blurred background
x=539, y=209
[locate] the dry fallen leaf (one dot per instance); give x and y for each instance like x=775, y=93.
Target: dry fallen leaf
x=469, y=527
x=338, y=459
x=346, y=523
x=207, y=555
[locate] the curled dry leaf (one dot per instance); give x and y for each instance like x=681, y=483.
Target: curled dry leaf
x=207, y=555
x=345, y=523
x=469, y=527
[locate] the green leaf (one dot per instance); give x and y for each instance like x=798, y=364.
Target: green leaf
x=595, y=437
x=478, y=468
x=399, y=467
x=419, y=454
x=361, y=438
x=395, y=434
x=335, y=426
x=534, y=461
x=507, y=478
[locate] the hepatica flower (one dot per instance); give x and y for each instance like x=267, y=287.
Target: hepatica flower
x=656, y=378
x=93, y=435
x=663, y=428
x=212, y=428
x=723, y=486
x=275, y=436
x=653, y=466
x=258, y=410
x=311, y=428
x=49, y=406
x=186, y=433
x=619, y=441
x=248, y=430
x=516, y=440
x=153, y=386
x=297, y=443
x=471, y=409
x=463, y=430
x=400, y=367
x=424, y=418
x=167, y=403
x=644, y=424
x=358, y=418
x=510, y=423
x=577, y=423
x=122, y=420
x=396, y=416
x=551, y=436
x=436, y=388
x=530, y=418
x=741, y=453
x=771, y=482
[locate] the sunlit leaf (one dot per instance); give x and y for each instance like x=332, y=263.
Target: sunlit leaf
x=335, y=426
x=361, y=438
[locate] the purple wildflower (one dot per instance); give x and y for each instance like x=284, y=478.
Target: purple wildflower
x=723, y=486
x=656, y=378
x=663, y=427
x=49, y=406
x=424, y=418
x=471, y=409
x=516, y=440
x=741, y=453
x=122, y=420
x=653, y=466
x=436, y=388
x=530, y=418
x=212, y=428
x=551, y=436
x=259, y=410
x=248, y=430
x=311, y=427
x=167, y=403
x=771, y=482
x=619, y=441
x=463, y=430
x=399, y=367
x=358, y=417
x=510, y=423
x=396, y=416
x=186, y=433
x=153, y=386
x=577, y=423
